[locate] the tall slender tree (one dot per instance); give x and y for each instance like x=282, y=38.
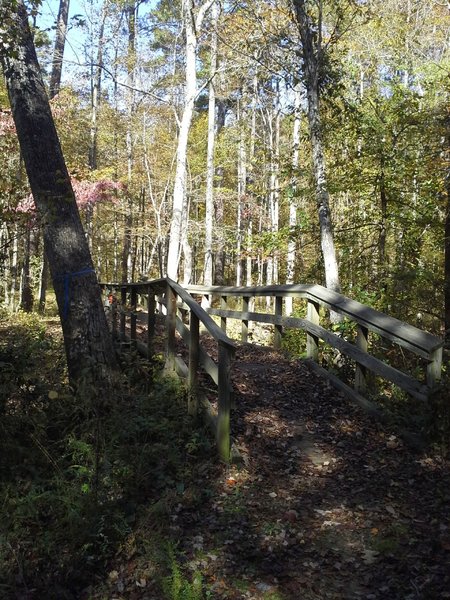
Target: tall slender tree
x=313, y=54
x=193, y=17
x=209, y=196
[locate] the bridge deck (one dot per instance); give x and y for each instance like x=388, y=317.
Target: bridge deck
x=326, y=503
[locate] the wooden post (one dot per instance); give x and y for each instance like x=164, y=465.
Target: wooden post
x=171, y=320
x=223, y=306
x=133, y=316
x=312, y=341
x=362, y=337
x=194, y=342
x=123, y=306
x=278, y=331
x=114, y=320
x=151, y=308
x=245, y=307
x=434, y=368
x=223, y=417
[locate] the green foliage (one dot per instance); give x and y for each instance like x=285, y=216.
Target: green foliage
x=176, y=586
x=75, y=469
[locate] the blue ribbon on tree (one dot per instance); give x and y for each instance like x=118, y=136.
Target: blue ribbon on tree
x=66, y=278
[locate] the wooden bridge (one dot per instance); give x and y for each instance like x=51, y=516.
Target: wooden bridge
x=182, y=312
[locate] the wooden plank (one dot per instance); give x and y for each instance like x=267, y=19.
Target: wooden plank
x=208, y=411
x=181, y=367
x=133, y=303
x=244, y=330
x=205, y=360
x=278, y=333
x=194, y=348
x=171, y=321
x=404, y=381
x=295, y=290
x=408, y=336
x=360, y=372
x=312, y=341
x=368, y=406
x=434, y=368
x=223, y=320
x=224, y=403
x=203, y=316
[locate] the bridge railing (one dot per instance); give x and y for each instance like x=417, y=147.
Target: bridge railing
x=166, y=298
x=421, y=343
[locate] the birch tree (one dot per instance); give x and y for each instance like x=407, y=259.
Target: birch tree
x=209, y=197
x=193, y=17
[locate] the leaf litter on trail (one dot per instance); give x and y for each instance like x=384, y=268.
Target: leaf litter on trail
x=328, y=504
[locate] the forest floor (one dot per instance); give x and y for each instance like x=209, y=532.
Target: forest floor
x=325, y=503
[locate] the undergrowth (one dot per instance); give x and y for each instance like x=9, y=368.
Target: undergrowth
x=78, y=471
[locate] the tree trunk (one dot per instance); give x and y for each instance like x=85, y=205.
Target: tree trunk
x=14, y=263
x=130, y=11
x=311, y=42
x=55, y=85
x=96, y=85
x=447, y=246
x=241, y=190
x=60, y=43
x=192, y=24
x=85, y=330
x=26, y=295
x=209, y=199
x=290, y=263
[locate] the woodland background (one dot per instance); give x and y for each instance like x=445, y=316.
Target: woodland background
x=250, y=203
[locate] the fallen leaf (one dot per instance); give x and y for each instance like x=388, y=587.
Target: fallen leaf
x=369, y=556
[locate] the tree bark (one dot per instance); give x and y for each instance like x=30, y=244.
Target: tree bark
x=192, y=23
x=290, y=262
x=55, y=86
x=60, y=43
x=447, y=244
x=312, y=53
x=96, y=86
x=85, y=330
x=209, y=199
x=26, y=295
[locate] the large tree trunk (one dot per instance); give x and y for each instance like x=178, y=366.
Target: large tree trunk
x=312, y=50
x=85, y=330
x=55, y=85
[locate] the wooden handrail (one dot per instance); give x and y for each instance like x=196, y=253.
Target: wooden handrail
x=177, y=297
x=419, y=342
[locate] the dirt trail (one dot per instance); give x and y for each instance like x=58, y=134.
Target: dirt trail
x=326, y=503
